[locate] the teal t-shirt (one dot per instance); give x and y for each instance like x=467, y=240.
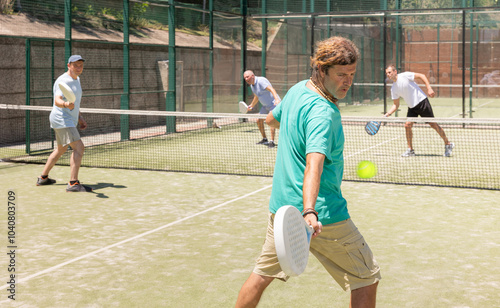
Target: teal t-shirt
x=309, y=124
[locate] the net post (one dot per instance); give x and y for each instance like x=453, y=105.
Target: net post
x=362, y=70
x=313, y=24
x=243, y=55
x=124, y=119
x=397, y=63
x=210, y=92
x=384, y=38
x=463, y=63
x=125, y=98
x=264, y=40
x=53, y=78
x=170, y=104
x=471, y=59
x=28, y=94
x=67, y=29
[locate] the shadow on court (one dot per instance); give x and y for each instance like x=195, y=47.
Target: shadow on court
x=100, y=186
x=97, y=186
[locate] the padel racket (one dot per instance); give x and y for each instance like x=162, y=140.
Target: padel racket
x=292, y=236
x=372, y=127
x=67, y=92
x=243, y=107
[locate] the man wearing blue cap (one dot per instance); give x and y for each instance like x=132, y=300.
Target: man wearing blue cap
x=64, y=119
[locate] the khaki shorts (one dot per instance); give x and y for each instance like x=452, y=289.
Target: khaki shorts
x=340, y=248
x=66, y=135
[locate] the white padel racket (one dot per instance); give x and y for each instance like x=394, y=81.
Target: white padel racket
x=292, y=236
x=68, y=93
x=243, y=107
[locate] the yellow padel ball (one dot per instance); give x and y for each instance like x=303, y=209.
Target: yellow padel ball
x=366, y=169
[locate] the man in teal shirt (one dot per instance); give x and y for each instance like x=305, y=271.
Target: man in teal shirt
x=308, y=174
x=322, y=134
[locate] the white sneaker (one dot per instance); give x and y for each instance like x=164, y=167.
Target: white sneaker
x=448, y=148
x=408, y=152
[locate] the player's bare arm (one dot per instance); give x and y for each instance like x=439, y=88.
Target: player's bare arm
x=310, y=190
x=394, y=107
x=271, y=121
x=64, y=104
x=59, y=101
x=275, y=95
x=424, y=79
x=254, y=102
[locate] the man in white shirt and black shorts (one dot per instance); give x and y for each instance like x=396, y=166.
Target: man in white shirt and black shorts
x=418, y=104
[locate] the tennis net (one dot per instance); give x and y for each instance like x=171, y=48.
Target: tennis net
x=226, y=144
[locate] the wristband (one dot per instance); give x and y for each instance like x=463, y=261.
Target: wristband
x=310, y=211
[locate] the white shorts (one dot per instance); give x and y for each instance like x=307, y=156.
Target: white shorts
x=66, y=135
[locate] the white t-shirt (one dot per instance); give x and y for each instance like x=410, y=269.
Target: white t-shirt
x=63, y=117
x=406, y=88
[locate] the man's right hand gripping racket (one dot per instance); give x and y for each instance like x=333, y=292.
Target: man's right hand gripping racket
x=292, y=236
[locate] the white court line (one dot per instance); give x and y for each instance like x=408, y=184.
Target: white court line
x=473, y=109
x=372, y=147
x=51, y=269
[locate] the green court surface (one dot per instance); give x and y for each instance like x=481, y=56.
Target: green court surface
x=443, y=107
x=171, y=239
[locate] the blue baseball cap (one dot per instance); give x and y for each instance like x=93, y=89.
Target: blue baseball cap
x=75, y=58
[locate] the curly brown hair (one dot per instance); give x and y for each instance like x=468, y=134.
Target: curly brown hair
x=335, y=50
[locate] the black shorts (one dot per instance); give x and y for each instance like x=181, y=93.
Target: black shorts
x=423, y=109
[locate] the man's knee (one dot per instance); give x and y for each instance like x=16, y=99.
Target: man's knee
x=435, y=126
x=78, y=147
x=62, y=149
x=258, y=282
x=408, y=124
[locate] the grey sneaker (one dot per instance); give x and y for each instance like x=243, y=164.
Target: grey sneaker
x=263, y=141
x=46, y=181
x=271, y=144
x=408, y=152
x=77, y=187
x=448, y=148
